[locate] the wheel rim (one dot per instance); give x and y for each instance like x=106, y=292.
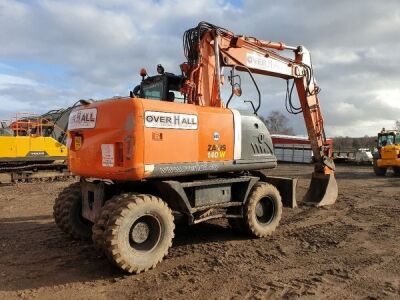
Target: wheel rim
x=145, y=233
x=265, y=210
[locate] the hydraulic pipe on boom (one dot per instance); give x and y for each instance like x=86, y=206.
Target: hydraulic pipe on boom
x=215, y=47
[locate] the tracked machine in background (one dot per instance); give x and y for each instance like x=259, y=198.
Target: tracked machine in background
x=32, y=147
x=143, y=157
x=388, y=154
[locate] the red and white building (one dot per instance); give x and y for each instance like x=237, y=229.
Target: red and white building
x=292, y=148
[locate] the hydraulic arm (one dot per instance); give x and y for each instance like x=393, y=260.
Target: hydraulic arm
x=209, y=48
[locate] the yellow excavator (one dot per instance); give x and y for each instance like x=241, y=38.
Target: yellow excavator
x=388, y=154
x=32, y=147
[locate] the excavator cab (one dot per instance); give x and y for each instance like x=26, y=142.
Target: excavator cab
x=160, y=87
x=388, y=138
x=5, y=130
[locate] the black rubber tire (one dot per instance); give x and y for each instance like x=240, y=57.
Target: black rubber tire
x=119, y=242
x=264, y=197
x=67, y=213
x=377, y=170
x=396, y=171
x=100, y=225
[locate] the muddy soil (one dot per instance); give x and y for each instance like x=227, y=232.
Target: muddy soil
x=349, y=250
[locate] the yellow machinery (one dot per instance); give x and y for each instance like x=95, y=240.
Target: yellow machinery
x=16, y=149
x=34, y=146
x=388, y=154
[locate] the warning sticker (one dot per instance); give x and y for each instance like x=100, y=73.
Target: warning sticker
x=107, y=155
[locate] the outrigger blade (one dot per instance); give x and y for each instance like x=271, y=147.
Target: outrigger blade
x=323, y=190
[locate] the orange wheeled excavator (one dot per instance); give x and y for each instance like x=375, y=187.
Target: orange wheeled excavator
x=142, y=157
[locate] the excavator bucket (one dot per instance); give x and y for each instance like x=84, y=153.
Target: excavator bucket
x=323, y=190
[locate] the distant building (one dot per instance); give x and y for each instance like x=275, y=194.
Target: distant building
x=292, y=148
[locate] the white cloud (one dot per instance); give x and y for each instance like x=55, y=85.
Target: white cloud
x=6, y=67
x=390, y=97
x=361, y=127
x=7, y=81
x=346, y=108
x=337, y=55
x=101, y=45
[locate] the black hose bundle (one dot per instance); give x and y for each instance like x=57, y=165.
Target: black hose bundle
x=309, y=74
x=192, y=37
x=290, y=108
x=309, y=78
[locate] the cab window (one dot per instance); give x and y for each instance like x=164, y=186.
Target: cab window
x=153, y=90
x=385, y=140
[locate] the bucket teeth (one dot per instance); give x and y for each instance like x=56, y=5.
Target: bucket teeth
x=323, y=190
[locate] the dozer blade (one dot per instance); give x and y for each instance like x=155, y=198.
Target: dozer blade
x=323, y=190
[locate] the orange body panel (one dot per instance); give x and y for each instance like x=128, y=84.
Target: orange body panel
x=116, y=122
x=180, y=146
x=123, y=141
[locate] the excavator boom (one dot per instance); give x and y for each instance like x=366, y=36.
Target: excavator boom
x=209, y=48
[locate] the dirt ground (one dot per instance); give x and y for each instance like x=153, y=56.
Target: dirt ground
x=349, y=250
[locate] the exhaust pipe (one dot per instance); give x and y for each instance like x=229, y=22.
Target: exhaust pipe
x=323, y=190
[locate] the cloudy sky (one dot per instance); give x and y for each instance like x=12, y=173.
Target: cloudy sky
x=54, y=53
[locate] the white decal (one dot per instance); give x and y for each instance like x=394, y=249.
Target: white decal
x=237, y=119
x=157, y=119
x=148, y=169
x=178, y=169
x=107, y=155
x=257, y=61
x=83, y=118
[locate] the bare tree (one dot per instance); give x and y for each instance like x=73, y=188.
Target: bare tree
x=397, y=125
x=353, y=143
x=277, y=123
